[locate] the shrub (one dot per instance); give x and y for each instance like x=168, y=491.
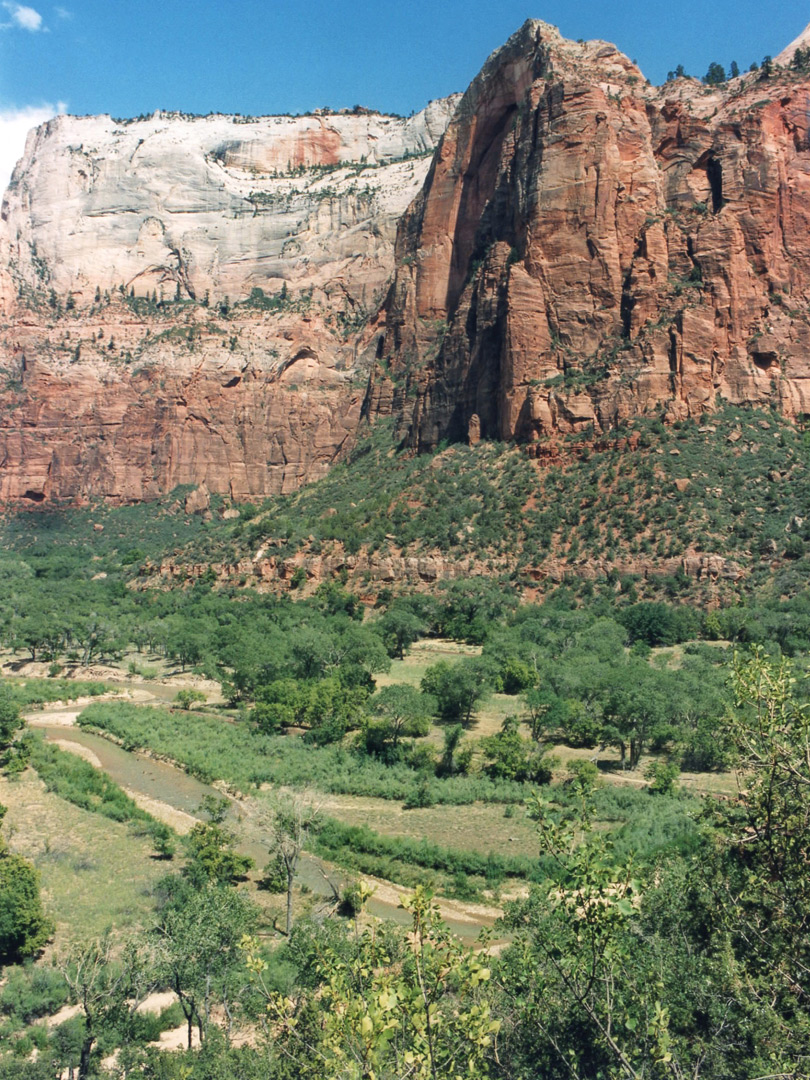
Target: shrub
x=186, y=698
x=24, y=928
x=662, y=776
x=32, y=992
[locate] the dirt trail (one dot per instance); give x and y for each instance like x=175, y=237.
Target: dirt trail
x=65, y=713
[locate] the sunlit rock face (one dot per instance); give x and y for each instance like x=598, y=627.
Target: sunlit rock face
x=216, y=204
x=192, y=300
x=202, y=300
x=588, y=248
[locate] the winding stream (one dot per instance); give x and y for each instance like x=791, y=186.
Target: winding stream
x=166, y=783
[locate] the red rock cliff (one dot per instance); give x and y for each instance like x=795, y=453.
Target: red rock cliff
x=587, y=248
x=193, y=300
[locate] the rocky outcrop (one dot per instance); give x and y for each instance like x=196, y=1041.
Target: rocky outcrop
x=189, y=301
x=249, y=406
x=192, y=300
x=213, y=205
x=367, y=572
x=588, y=248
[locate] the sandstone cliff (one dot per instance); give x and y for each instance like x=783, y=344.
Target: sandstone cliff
x=588, y=248
x=197, y=300
x=216, y=204
x=189, y=300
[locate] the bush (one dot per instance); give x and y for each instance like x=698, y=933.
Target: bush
x=583, y=774
x=31, y=992
x=186, y=698
x=24, y=929
x=517, y=676
x=662, y=776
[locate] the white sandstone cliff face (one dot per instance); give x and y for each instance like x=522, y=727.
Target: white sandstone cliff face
x=104, y=393
x=213, y=204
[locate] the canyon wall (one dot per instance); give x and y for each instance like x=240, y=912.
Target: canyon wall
x=202, y=300
x=193, y=300
x=588, y=248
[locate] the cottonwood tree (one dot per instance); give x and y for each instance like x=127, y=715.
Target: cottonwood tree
x=545, y=712
x=458, y=688
x=290, y=820
x=197, y=950
x=638, y=708
x=400, y=627
x=398, y=711
x=108, y=981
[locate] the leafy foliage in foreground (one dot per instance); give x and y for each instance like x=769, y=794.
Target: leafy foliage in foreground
x=692, y=966
x=421, y=1012
x=667, y=962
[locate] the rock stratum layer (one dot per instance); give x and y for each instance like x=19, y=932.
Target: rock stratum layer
x=192, y=300
x=588, y=248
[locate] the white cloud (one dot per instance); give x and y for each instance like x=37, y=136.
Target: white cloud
x=26, y=18
x=14, y=126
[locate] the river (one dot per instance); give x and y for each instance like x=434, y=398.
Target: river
x=165, y=783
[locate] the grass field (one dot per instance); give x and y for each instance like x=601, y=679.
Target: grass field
x=95, y=872
x=482, y=827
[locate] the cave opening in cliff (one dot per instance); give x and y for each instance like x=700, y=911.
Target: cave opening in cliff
x=714, y=174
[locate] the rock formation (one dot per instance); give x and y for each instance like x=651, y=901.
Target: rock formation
x=213, y=204
x=189, y=300
x=196, y=301
x=588, y=248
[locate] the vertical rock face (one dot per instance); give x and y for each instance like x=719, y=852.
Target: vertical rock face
x=587, y=248
x=193, y=300
x=197, y=300
x=216, y=204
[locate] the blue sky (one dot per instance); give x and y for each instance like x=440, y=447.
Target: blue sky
x=267, y=56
